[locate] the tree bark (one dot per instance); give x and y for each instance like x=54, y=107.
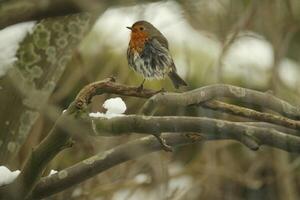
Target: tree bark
x=42, y=58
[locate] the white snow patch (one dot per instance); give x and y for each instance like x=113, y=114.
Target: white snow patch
x=250, y=58
x=7, y=176
x=52, y=172
x=115, y=108
x=104, y=115
x=250, y=50
x=180, y=184
x=115, y=105
x=142, y=178
x=289, y=72
x=10, y=38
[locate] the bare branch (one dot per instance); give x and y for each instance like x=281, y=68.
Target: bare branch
x=105, y=160
x=210, y=129
x=200, y=95
x=108, y=86
x=14, y=11
x=251, y=136
x=249, y=113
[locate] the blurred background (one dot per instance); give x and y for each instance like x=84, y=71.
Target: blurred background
x=253, y=44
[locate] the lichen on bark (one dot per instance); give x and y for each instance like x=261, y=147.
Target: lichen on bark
x=42, y=58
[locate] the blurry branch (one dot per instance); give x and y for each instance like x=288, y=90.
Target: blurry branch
x=16, y=11
x=281, y=45
x=49, y=54
x=105, y=160
x=233, y=35
x=41, y=59
x=55, y=142
x=12, y=12
x=209, y=129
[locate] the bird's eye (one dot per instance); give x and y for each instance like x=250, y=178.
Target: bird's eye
x=141, y=28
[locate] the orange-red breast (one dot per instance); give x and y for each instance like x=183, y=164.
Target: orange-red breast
x=148, y=54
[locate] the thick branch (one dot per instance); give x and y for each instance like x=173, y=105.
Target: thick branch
x=210, y=92
x=35, y=91
x=56, y=141
x=211, y=128
x=15, y=11
x=105, y=160
x=110, y=86
x=12, y=12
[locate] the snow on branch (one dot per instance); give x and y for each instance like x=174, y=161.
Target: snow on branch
x=7, y=176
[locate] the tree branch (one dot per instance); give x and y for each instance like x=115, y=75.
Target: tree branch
x=15, y=11
x=249, y=113
x=251, y=136
x=200, y=95
x=211, y=129
x=105, y=160
x=35, y=91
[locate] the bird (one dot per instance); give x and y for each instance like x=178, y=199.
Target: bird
x=148, y=54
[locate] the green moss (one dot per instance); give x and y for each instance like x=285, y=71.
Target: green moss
x=35, y=72
x=63, y=60
x=26, y=121
x=41, y=38
x=42, y=58
x=51, y=54
x=56, y=26
x=61, y=42
x=74, y=29
x=11, y=146
x=28, y=56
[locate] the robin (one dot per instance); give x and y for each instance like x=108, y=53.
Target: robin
x=148, y=54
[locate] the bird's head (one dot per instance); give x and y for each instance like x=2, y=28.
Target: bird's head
x=143, y=28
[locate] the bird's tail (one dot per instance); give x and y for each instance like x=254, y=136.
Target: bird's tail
x=176, y=80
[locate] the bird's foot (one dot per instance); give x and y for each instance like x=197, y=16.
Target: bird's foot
x=163, y=143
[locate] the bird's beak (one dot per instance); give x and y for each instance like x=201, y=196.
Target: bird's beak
x=129, y=28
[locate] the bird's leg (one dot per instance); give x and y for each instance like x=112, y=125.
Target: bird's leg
x=141, y=87
x=163, y=143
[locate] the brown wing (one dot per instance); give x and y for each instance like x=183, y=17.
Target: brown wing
x=162, y=40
